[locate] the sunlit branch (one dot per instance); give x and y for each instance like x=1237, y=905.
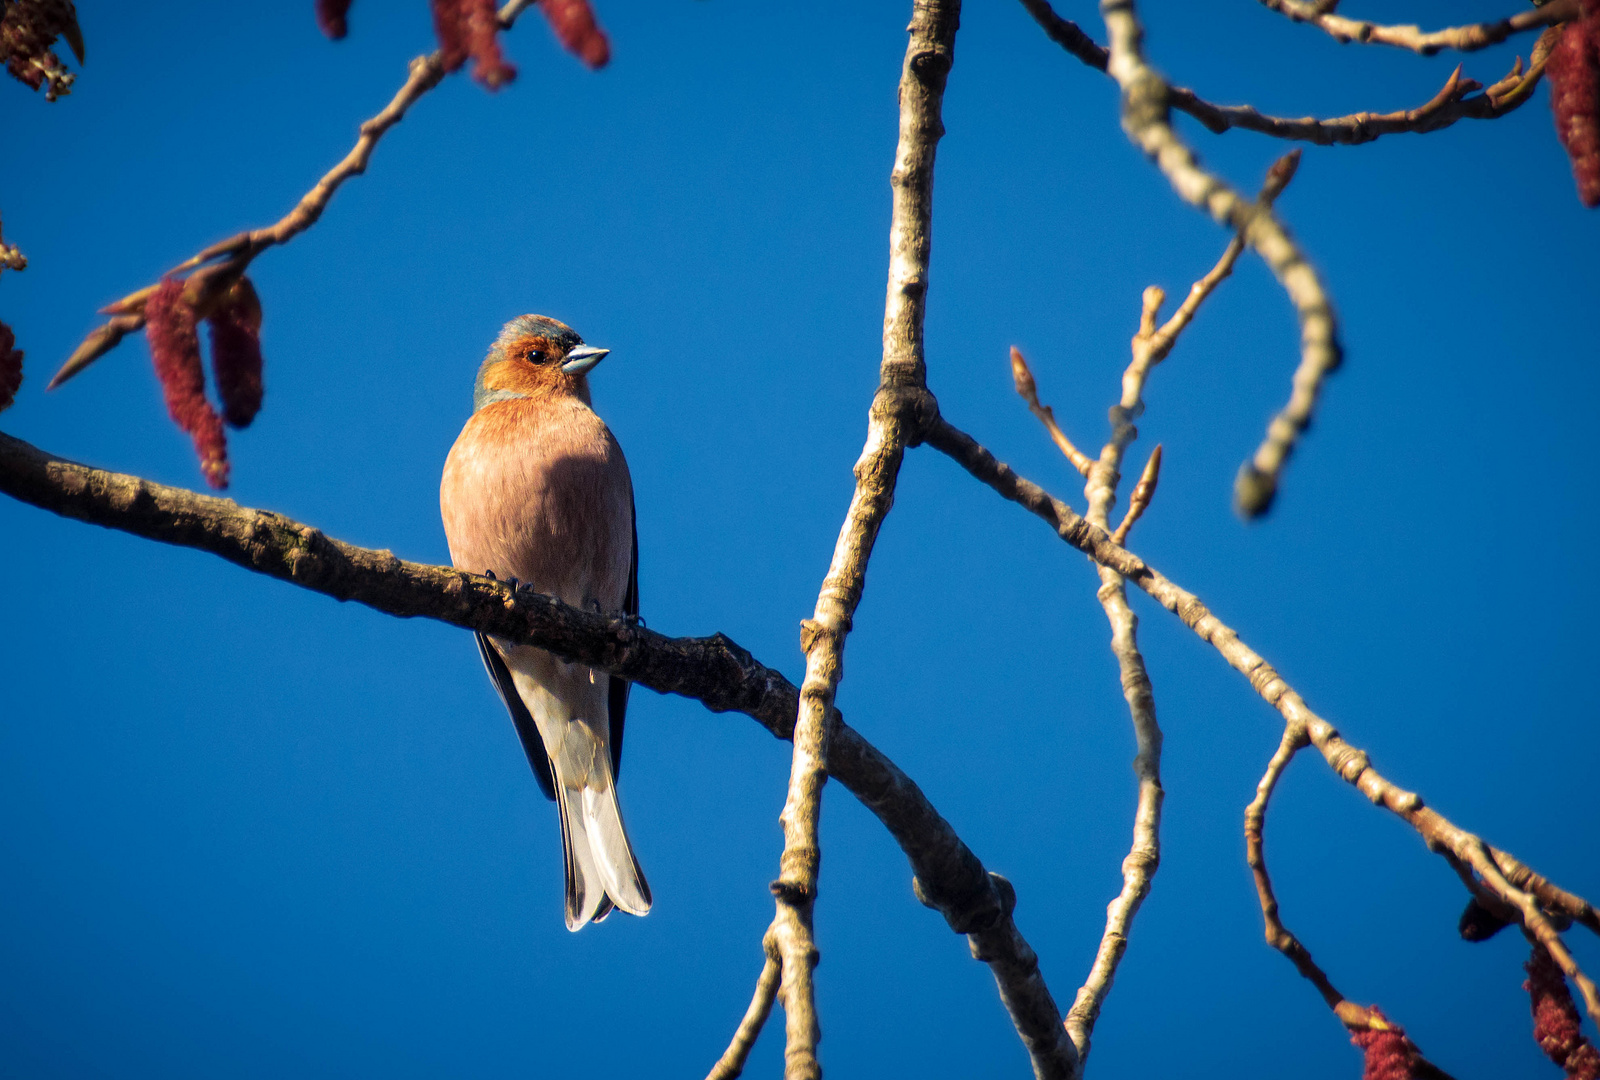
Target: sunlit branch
x=1457, y=100
x=892, y=424
x=1461, y=38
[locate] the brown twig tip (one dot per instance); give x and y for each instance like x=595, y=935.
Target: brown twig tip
x=1022, y=376
x=170, y=328
x=10, y=367
x=332, y=17
x=1281, y=173
x=236, y=353
x=1574, y=70
x=574, y=26
x=1556, y=1027
x=1143, y=492
x=1388, y=1053
x=28, y=29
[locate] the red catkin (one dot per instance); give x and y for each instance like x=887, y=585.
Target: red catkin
x=480, y=29
x=1574, y=72
x=1556, y=1027
x=236, y=353
x=469, y=29
x=170, y=329
x=10, y=367
x=448, y=28
x=1389, y=1055
x=574, y=26
x=332, y=17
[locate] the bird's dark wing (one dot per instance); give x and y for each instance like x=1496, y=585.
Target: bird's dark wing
x=527, y=730
x=619, y=687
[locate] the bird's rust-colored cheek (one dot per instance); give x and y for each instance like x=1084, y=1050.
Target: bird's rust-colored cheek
x=527, y=379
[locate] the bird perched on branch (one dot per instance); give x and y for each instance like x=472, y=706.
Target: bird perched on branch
x=536, y=490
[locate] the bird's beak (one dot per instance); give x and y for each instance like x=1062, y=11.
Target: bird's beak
x=582, y=358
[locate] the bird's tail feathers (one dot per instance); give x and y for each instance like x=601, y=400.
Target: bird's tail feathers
x=600, y=868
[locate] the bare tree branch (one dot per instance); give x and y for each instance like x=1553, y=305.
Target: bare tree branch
x=1461, y=38
x=1529, y=898
x=1278, y=936
x=892, y=424
x=714, y=671
x=1145, y=118
x=733, y=1059
x=1150, y=346
x=1453, y=102
x=237, y=252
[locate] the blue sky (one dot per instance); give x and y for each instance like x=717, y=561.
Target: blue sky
x=252, y=832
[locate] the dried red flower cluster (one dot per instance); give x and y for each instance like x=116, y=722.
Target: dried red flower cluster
x=236, y=353
x=1555, y=1018
x=28, y=29
x=332, y=17
x=1389, y=1054
x=10, y=367
x=172, y=329
x=573, y=22
x=1574, y=71
x=469, y=28
x=169, y=326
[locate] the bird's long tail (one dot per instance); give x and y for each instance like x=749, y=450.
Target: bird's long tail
x=600, y=867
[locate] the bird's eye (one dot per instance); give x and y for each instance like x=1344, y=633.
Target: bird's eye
x=537, y=356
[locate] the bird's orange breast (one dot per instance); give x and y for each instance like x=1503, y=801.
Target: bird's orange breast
x=538, y=489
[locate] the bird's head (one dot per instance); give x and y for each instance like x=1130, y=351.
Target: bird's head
x=535, y=357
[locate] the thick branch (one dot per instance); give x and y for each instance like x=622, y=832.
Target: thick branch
x=1461, y=38
x=714, y=671
x=237, y=252
x=1530, y=896
x=1454, y=102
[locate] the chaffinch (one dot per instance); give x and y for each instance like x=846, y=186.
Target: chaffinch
x=536, y=490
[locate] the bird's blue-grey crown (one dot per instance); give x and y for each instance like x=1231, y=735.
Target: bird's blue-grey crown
x=520, y=327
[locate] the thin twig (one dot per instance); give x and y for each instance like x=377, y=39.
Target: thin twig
x=1352, y=765
x=1146, y=120
x=1454, y=102
x=1278, y=935
x=1355, y=1018
x=238, y=251
x=715, y=671
x=731, y=1064
x=893, y=422
x=1028, y=390
x=1150, y=345
x=1461, y=38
